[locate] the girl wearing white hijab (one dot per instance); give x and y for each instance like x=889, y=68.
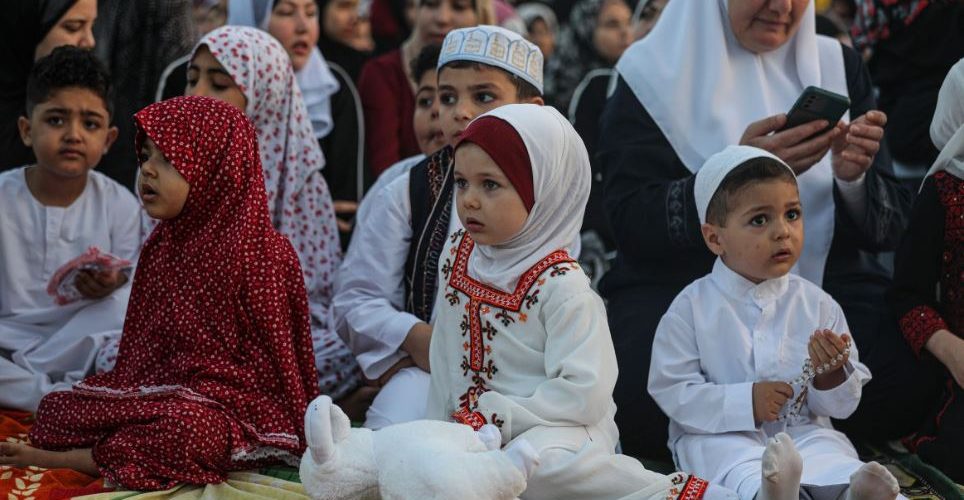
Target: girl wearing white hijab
x=520, y=339
x=931, y=258
x=714, y=73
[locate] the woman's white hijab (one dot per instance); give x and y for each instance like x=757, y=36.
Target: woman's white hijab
x=947, y=127
x=705, y=105
x=316, y=80
x=560, y=185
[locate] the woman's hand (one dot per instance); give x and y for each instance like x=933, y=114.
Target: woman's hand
x=99, y=284
x=949, y=349
x=791, y=145
x=854, y=150
x=829, y=353
x=345, y=214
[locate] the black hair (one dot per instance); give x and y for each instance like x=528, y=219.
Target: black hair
x=523, y=89
x=749, y=172
x=65, y=67
x=425, y=61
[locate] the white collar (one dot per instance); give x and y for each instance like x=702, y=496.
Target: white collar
x=742, y=289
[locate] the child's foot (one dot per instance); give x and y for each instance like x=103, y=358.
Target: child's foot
x=22, y=455
x=490, y=436
x=782, y=467
x=873, y=482
x=523, y=456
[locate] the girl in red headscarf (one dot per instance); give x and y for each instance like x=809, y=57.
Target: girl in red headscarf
x=215, y=368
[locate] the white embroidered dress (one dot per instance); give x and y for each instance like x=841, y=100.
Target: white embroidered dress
x=721, y=334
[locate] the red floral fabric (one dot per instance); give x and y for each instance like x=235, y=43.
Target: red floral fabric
x=215, y=368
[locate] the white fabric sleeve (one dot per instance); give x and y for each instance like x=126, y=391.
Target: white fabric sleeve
x=841, y=401
x=580, y=366
x=369, y=297
x=679, y=387
x=854, y=195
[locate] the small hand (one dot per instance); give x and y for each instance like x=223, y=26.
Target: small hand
x=854, y=150
x=99, y=284
x=829, y=353
x=344, y=214
x=416, y=344
x=768, y=400
x=949, y=349
x=791, y=145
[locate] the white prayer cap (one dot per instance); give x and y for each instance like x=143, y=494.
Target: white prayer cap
x=496, y=47
x=718, y=166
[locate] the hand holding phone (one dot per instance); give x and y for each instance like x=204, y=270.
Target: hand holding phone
x=815, y=104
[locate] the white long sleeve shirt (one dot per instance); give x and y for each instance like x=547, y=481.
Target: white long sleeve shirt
x=723, y=333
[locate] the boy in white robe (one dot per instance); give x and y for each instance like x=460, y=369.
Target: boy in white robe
x=520, y=339
x=751, y=362
x=54, y=211
x=373, y=308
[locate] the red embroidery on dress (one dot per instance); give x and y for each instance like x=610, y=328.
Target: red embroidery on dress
x=481, y=297
x=473, y=419
x=919, y=324
x=695, y=489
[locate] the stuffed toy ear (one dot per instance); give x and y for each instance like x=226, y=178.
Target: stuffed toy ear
x=325, y=426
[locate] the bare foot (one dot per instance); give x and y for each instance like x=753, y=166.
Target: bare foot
x=356, y=404
x=22, y=455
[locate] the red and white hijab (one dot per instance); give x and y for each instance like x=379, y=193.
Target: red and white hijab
x=298, y=197
x=218, y=311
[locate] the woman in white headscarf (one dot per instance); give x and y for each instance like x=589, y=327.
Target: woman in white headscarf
x=713, y=73
x=931, y=258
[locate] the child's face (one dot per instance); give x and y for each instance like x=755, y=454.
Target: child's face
x=488, y=205
x=295, y=24
x=427, y=129
x=161, y=187
x=464, y=93
x=75, y=27
x=763, y=235
x=69, y=133
x=206, y=77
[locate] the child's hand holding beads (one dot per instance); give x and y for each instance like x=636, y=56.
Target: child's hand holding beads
x=97, y=285
x=829, y=353
x=768, y=400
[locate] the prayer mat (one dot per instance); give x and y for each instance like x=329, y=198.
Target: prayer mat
x=239, y=486
x=918, y=480
x=35, y=483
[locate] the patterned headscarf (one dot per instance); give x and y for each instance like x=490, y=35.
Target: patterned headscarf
x=298, y=197
x=879, y=19
x=575, y=54
x=218, y=312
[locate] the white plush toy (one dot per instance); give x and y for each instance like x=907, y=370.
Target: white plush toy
x=417, y=460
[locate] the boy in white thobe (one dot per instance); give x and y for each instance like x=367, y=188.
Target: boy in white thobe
x=52, y=212
x=751, y=362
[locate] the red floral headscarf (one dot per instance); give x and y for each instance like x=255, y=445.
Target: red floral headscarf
x=218, y=312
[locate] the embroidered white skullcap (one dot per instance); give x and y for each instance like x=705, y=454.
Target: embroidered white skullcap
x=718, y=166
x=496, y=47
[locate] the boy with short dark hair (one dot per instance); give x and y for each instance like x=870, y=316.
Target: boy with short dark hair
x=386, y=286
x=54, y=211
x=728, y=353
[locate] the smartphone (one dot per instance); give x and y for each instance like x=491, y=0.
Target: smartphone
x=816, y=103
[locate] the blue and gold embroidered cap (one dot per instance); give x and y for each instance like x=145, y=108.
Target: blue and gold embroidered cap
x=496, y=47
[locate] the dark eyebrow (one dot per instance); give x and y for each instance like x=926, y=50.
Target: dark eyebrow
x=424, y=88
x=94, y=114
x=220, y=71
x=481, y=86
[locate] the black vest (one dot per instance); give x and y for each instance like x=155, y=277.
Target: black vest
x=430, y=190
